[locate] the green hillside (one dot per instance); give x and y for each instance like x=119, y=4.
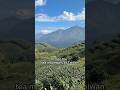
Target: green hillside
x=61, y=69
x=44, y=47
x=73, y=53
x=14, y=56
x=103, y=63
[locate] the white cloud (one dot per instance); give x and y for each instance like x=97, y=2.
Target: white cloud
x=45, y=31
x=65, y=16
x=43, y=18
x=48, y=30
x=40, y=2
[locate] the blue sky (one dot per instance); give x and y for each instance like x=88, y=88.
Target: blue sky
x=51, y=15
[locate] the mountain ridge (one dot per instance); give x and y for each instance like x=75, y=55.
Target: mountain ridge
x=64, y=38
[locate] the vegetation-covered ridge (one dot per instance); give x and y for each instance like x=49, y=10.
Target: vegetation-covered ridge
x=60, y=76
x=103, y=63
x=14, y=56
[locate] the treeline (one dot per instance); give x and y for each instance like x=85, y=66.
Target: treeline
x=15, y=51
x=73, y=53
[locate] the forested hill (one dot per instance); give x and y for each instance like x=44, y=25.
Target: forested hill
x=73, y=53
x=104, y=60
x=44, y=47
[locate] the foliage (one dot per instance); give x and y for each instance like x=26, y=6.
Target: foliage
x=61, y=76
x=15, y=63
x=103, y=63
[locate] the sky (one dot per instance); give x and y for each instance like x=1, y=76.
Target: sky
x=52, y=15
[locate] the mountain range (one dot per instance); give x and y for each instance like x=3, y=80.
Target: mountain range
x=13, y=28
x=63, y=38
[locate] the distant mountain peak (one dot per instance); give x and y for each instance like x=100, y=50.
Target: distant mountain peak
x=64, y=38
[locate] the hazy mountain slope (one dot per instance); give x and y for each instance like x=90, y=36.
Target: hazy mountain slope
x=64, y=38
